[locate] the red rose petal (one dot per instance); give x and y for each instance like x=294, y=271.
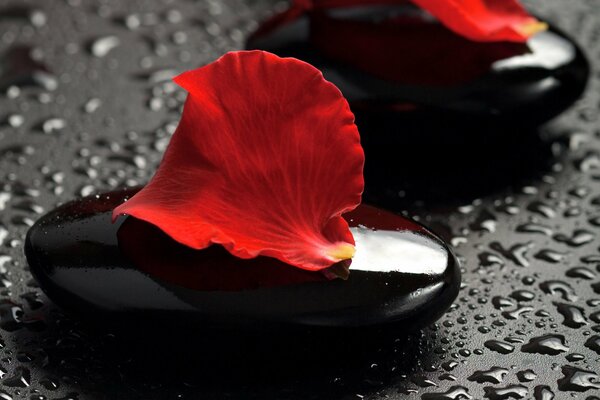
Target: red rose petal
x=477, y=20
x=265, y=160
x=485, y=20
x=437, y=56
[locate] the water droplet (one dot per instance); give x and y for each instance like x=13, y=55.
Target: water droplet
x=4, y=198
x=522, y=295
x=579, y=238
x=422, y=381
x=485, y=222
x=20, y=377
x=449, y=365
x=487, y=259
x=593, y=343
x=3, y=234
x=573, y=315
x=92, y=105
x=15, y=120
x=500, y=302
x=493, y=375
x=594, y=221
x=10, y=316
x=543, y=392
x=454, y=393
x=33, y=300
x=558, y=287
x=581, y=273
x=542, y=209
x=517, y=252
x=577, y=380
x=573, y=357
x=508, y=392
x=515, y=314
x=531, y=227
x=35, y=16
x=52, y=125
x=551, y=256
x=499, y=346
x=526, y=376
x=548, y=344
x=103, y=45
x=448, y=377
x=589, y=162
x=19, y=69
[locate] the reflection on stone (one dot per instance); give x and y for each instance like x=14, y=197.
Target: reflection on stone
x=132, y=271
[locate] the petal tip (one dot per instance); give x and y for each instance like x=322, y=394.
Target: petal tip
x=115, y=215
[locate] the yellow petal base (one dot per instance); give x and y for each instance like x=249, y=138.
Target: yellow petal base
x=531, y=28
x=341, y=251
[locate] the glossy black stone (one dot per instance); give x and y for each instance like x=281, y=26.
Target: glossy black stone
x=422, y=73
x=130, y=272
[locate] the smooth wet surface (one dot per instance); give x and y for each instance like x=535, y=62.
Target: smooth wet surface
x=397, y=60
x=401, y=276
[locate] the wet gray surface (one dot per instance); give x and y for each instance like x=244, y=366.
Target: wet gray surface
x=86, y=106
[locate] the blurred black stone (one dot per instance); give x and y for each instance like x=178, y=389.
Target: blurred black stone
x=425, y=77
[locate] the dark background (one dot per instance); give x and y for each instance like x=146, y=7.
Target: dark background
x=86, y=105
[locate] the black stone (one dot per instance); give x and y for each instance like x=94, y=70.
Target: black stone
x=131, y=273
x=420, y=74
